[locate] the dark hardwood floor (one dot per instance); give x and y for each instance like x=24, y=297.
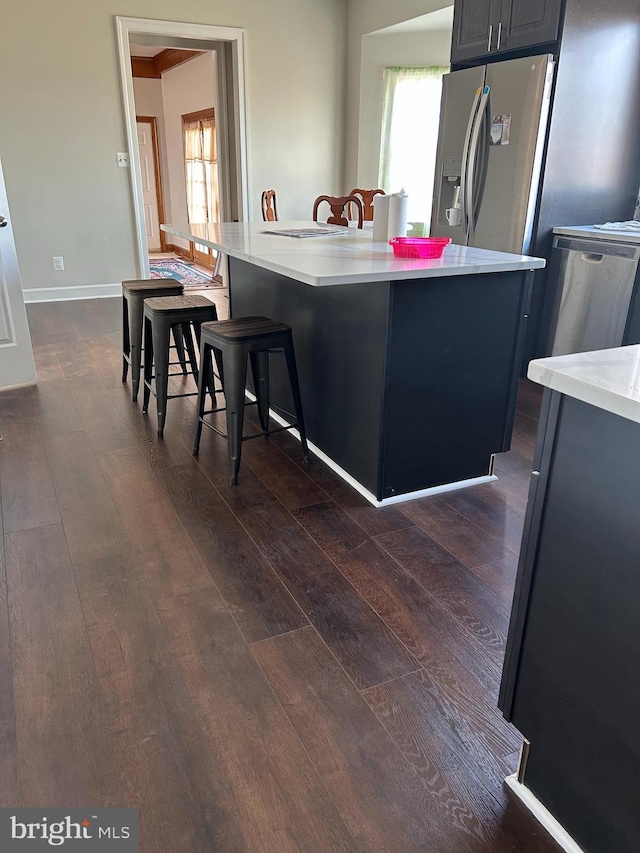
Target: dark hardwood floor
x=273, y=667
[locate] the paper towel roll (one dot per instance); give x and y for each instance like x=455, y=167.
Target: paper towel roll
x=380, y=218
x=397, y=226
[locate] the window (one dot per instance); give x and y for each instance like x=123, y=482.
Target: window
x=201, y=172
x=410, y=121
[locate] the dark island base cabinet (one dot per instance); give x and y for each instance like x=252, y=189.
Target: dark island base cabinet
x=571, y=682
x=405, y=385
x=488, y=29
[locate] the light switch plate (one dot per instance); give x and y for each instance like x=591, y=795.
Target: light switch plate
x=123, y=159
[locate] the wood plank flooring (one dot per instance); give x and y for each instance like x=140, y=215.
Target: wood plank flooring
x=262, y=669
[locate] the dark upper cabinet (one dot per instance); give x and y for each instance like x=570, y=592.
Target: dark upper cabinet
x=526, y=23
x=485, y=28
x=475, y=27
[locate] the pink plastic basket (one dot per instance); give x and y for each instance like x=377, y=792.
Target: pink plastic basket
x=419, y=247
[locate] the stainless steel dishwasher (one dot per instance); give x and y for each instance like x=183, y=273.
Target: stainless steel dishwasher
x=593, y=283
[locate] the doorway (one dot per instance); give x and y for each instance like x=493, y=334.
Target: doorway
x=177, y=98
x=225, y=46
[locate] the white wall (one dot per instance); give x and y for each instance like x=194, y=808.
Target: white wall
x=148, y=97
x=185, y=89
x=378, y=53
x=62, y=121
x=367, y=16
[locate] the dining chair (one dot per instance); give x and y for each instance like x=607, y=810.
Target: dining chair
x=338, y=205
x=269, y=206
x=367, y=197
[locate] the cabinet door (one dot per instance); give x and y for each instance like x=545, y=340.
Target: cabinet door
x=526, y=23
x=475, y=27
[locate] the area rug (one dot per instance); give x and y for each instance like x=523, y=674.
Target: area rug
x=182, y=271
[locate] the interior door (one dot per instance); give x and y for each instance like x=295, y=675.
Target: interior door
x=515, y=127
x=16, y=356
x=150, y=172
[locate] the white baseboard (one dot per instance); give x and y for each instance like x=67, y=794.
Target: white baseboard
x=65, y=294
x=409, y=496
x=543, y=815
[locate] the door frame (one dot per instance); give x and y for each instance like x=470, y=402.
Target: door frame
x=203, y=37
x=153, y=121
x=16, y=350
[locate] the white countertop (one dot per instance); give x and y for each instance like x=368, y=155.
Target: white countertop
x=591, y=233
x=349, y=259
x=608, y=378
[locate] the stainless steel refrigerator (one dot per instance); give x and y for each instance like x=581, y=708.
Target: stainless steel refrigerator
x=493, y=127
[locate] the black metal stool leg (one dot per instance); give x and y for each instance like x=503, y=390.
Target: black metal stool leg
x=136, y=309
x=126, y=346
x=211, y=382
x=188, y=340
x=235, y=378
x=179, y=342
x=160, y=331
x=260, y=369
x=148, y=364
x=295, y=391
x=205, y=363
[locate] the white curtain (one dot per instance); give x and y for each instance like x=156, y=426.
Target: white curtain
x=201, y=171
x=410, y=120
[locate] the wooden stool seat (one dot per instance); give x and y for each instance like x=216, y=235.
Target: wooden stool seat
x=177, y=304
x=233, y=342
x=245, y=327
x=134, y=294
x=161, y=316
x=146, y=285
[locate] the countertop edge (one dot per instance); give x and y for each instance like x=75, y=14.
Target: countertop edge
x=587, y=392
x=271, y=264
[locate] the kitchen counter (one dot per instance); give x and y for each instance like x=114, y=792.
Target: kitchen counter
x=592, y=233
x=570, y=680
x=608, y=379
x=408, y=368
x=352, y=258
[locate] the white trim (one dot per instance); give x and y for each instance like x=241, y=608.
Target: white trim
x=396, y=499
x=66, y=294
x=543, y=815
x=437, y=490
x=125, y=27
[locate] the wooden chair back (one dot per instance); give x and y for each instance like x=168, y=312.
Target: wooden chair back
x=367, y=197
x=338, y=205
x=269, y=206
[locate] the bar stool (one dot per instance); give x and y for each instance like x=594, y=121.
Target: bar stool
x=134, y=293
x=161, y=316
x=234, y=340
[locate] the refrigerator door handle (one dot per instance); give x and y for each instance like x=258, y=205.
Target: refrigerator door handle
x=469, y=200
x=465, y=158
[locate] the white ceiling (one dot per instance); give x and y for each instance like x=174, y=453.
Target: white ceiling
x=149, y=49
x=145, y=50
x=442, y=19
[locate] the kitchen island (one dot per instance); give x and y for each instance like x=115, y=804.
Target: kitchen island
x=408, y=368
x=570, y=681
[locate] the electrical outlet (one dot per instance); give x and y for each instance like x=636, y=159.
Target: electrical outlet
x=58, y=263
